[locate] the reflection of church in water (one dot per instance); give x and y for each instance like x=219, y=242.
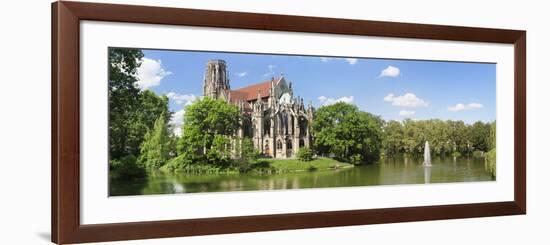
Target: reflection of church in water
x=275, y=120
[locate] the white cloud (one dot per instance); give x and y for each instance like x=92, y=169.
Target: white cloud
x=242, y=74
x=406, y=100
x=463, y=107
x=150, y=73
x=351, y=61
x=181, y=99
x=177, y=121
x=390, y=71
x=329, y=101
x=271, y=69
x=405, y=113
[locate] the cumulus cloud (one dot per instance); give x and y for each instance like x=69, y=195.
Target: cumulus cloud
x=406, y=113
x=150, y=73
x=329, y=101
x=406, y=100
x=463, y=107
x=390, y=71
x=242, y=74
x=351, y=61
x=181, y=99
x=177, y=121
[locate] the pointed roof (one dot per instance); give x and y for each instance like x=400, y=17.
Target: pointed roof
x=250, y=93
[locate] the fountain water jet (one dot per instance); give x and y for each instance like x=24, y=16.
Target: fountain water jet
x=427, y=157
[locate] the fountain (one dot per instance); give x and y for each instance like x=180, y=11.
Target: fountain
x=427, y=157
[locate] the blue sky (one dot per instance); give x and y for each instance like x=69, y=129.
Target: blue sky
x=392, y=89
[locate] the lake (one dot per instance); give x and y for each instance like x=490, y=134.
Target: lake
x=386, y=172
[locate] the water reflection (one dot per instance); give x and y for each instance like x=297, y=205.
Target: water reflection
x=427, y=173
x=387, y=172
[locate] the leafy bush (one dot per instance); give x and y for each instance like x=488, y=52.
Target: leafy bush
x=220, y=152
x=305, y=154
x=356, y=159
x=183, y=163
x=456, y=154
x=126, y=168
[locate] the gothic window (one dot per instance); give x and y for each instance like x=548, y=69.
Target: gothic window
x=291, y=129
x=303, y=126
x=285, y=123
x=247, y=130
x=281, y=124
x=289, y=145
x=267, y=126
x=279, y=145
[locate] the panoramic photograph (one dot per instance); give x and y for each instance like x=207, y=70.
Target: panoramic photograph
x=202, y=121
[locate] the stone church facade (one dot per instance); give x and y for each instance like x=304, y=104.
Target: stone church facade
x=277, y=122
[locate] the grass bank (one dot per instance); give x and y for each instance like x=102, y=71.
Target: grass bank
x=260, y=166
x=269, y=165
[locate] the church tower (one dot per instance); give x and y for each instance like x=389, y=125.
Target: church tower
x=216, y=81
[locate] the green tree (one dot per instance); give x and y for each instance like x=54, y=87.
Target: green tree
x=248, y=153
x=156, y=147
x=123, y=98
x=132, y=112
x=480, y=135
x=491, y=156
x=350, y=134
x=393, y=135
x=208, y=125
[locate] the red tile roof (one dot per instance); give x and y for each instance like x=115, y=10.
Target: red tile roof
x=250, y=93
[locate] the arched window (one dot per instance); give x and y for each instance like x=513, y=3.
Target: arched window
x=247, y=128
x=279, y=145
x=267, y=126
x=303, y=126
x=289, y=145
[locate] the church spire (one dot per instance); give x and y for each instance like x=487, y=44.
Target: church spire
x=216, y=80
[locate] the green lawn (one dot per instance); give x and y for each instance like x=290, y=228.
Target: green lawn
x=294, y=165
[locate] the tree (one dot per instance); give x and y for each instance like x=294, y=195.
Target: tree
x=156, y=147
x=248, y=153
x=208, y=125
x=123, y=98
x=491, y=156
x=480, y=135
x=350, y=134
x=132, y=112
x=393, y=135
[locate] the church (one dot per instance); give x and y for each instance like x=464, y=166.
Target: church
x=277, y=122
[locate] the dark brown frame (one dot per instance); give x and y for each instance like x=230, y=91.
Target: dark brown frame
x=65, y=175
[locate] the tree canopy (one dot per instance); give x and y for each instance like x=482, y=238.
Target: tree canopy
x=208, y=125
x=132, y=112
x=157, y=145
x=348, y=133
x=444, y=136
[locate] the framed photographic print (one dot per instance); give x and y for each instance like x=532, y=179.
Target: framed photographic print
x=177, y=122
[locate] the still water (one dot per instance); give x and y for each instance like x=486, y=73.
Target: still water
x=387, y=172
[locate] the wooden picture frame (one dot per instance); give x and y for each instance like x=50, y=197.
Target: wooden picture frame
x=65, y=174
